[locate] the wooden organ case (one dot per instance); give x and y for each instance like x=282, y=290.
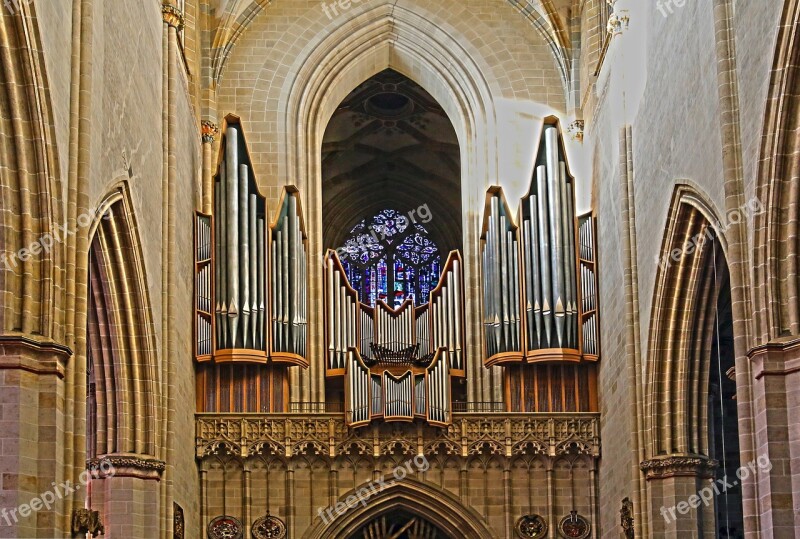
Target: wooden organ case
x=251, y=298
x=395, y=364
x=540, y=290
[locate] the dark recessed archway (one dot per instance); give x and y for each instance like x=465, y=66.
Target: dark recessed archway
x=389, y=144
x=409, y=499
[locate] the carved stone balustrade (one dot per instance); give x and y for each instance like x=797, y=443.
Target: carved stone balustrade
x=326, y=435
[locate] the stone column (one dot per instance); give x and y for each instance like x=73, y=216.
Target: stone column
x=126, y=492
x=676, y=483
x=31, y=414
x=776, y=395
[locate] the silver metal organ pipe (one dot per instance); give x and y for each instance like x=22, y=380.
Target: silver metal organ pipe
x=514, y=259
x=572, y=277
x=244, y=254
x=261, y=342
x=557, y=259
x=292, y=281
x=567, y=258
x=274, y=292
x=285, y=289
x=217, y=259
x=535, y=264
x=232, y=173
x=253, y=260
x=277, y=287
x=337, y=294
x=544, y=255
x=495, y=269
x=457, y=313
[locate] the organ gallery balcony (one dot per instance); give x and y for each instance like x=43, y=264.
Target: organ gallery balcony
x=327, y=435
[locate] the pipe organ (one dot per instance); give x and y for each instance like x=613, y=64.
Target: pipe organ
x=397, y=364
x=539, y=284
x=250, y=282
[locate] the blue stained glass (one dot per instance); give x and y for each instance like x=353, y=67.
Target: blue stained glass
x=388, y=245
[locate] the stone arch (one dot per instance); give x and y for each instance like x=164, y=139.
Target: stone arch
x=399, y=39
x=32, y=269
x=682, y=319
x=437, y=506
x=776, y=284
x=121, y=346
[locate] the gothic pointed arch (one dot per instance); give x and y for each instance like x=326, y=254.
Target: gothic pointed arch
x=121, y=345
x=690, y=406
x=692, y=265
x=431, y=505
x=776, y=283
x=32, y=269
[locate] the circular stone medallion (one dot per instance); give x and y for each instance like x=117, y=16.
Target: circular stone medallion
x=269, y=527
x=225, y=527
x=531, y=527
x=574, y=527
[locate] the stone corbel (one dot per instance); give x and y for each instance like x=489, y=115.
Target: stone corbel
x=172, y=16
x=210, y=131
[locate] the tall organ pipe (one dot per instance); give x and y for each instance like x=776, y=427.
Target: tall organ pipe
x=557, y=259
x=232, y=176
x=544, y=254
x=217, y=270
x=253, y=259
x=244, y=256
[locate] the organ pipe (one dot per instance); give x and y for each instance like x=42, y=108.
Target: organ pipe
x=404, y=357
x=539, y=277
x=251, y=277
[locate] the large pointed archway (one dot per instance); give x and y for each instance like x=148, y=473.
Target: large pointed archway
x=408, y=503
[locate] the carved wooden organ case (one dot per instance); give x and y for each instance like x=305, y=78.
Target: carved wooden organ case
x=396, y=365
x=539, y=290
x=250, y=289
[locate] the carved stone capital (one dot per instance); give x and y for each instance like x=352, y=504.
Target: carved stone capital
x=172, y=16
x=126, y=466
x=33, y=354
x=210, y=130
x=679, y=466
